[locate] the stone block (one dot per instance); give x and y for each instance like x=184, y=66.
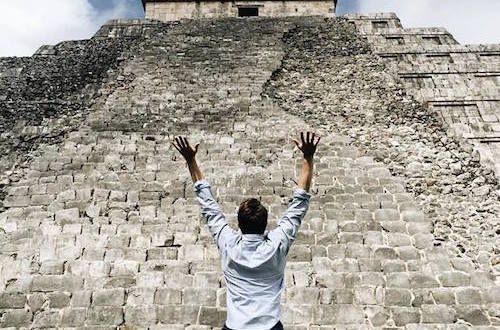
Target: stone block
x=180, y=314
x=37, y=301
x=12, y=300
x=398, y=280
x=124, y=268
x=81, y=298
x=444, y=296
x=330, y=280
x=299, y=253
x=423, y=241
x=142, y=316
x=67, y=216
x=397, y=297
x=438, y=314
x=58, y=299
x=473, y=314
x=138, y=296
x=109, y=297
x=104, y=315
x=356, y=250
x=368, y=295
x=454, y=279
x=468, y=296
x=384, y=252
x=405, y=315
x=166, y=296
x=369, y=265
x=16, y=201
x=398, y=239
x=199, y=296
x=393, y=266
x=191, y=252
x=39, y=200
x=419, y=280
x=16, y=318
x=212, y=316
x=386, y=215
x=408, y=253
x=150, y=279
x=162, y=253
x=47, y=319
x=73, y=317
x=492, y=295
x=413, y=216
x=56, y=282
x=338, y=314
x=302, y=295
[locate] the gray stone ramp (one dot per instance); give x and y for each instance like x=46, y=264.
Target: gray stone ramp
x=102, y=230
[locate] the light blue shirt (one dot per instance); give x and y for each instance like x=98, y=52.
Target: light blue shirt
x=253, y=265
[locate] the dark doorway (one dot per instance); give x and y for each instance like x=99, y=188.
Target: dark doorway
x=248, y=11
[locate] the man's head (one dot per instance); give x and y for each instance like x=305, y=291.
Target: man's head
x=252, y=217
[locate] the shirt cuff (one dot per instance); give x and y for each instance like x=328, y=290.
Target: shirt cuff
x=200, y=184
x=301, y=193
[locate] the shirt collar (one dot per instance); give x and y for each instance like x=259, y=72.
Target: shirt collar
x=253, y=237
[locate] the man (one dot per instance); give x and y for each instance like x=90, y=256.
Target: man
x=253, y=262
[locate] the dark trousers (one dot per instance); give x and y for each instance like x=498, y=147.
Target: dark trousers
x=278, y=326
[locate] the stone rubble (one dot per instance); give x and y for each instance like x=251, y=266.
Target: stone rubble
x=45, y=96
x=340, y=85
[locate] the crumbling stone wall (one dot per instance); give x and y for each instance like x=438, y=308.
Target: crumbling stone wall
x=101, y=229
x=458, y=82
x=44, y=97
x=344, y=87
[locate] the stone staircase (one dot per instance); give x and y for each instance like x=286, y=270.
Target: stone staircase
x=460, y=82
x=102, y=230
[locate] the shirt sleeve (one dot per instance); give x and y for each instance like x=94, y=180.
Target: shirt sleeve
x=289, y=224
x=211, y=211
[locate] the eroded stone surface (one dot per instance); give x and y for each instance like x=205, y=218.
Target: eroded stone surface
x=102, y=231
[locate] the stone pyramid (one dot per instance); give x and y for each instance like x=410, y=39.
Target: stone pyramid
x=99, y=228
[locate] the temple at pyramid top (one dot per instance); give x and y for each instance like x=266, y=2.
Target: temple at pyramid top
x=172, y=10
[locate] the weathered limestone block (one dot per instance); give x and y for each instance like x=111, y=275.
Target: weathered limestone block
x=397, y=297
x=104, y=315
x=177, y=314
x=438, y=314
x=140, y=315
x=73, y=317
x=108, y=297
x=12, y=300
x=16, y=318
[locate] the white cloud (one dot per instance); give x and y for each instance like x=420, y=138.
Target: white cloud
x=471, y=22
x=25, y=25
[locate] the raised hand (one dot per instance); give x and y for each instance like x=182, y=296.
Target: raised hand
x=182, y=145
x=308, y=144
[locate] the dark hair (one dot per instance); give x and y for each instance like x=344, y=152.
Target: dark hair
x=252, y=217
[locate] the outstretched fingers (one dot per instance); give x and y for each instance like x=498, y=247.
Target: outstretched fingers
x=175, y=146
x=302, y=138
x=179, y=143
x=186, y=142
x=317, y=141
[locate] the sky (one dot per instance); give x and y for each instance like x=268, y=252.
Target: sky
x=25, y=25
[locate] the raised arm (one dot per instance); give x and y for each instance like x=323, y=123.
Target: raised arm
x=210, y=209
x=308, y=146
x=289, y=224
x=189, y=154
